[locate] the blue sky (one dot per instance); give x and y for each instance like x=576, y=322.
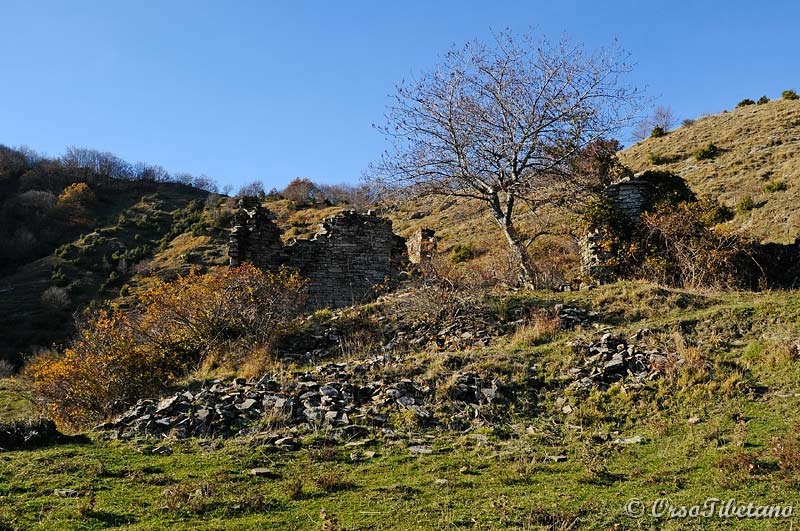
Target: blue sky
x=271, y=90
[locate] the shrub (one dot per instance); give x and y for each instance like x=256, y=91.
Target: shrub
x=689, y=253
x=122, y=356
x=745, y=204
x=658, y=132
x=59, y=278
x=675, y=242
x=710, y=212
x=762, y=100
x=707, y=152
x=655, y=159
x=775, y=186
x=669, y=188
x=55, y=298
x=302, y=192
x=687, y=122
x=789, y=95
x=461, y=253
x=745, y=102
x=74, y=204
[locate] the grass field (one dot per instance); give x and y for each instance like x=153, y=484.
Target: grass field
x=724, y=425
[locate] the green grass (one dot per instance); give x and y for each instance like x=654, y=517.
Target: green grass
x=15, y=401
x=466, y=483
x=743, y=441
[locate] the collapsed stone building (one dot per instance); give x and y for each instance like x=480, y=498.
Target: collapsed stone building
x=350, y=260
x=767, y=264
x=629, y=197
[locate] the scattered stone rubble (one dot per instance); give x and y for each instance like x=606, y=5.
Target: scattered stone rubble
x=613, y=359
x=572, y=317
x=354, y=398
x=462, y=332
x=322, y=398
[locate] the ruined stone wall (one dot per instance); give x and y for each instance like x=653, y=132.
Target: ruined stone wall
x=421, y=246
x=348, y=261
x=761, y=265
x=630, y=197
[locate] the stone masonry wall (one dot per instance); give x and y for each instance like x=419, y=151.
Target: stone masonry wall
x=421, y=246
x=348, y=261
x=630, y=197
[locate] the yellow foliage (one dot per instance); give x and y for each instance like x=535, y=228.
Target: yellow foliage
x=121, y=356
x=74, y=202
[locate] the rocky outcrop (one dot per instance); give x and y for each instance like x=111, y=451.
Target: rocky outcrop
x=27, y=434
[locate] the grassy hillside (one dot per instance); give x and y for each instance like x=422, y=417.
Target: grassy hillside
x=757, y=160
x=720, y=423
x=71, y=236
x=472, y=409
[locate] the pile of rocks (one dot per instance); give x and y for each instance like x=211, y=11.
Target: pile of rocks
x=613, y=359
x=324, y=397
x=28, y=433
x=572, y=317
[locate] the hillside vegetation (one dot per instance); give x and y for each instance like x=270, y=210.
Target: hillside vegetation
x=756, y=171
x=72, y=235
x=457, y=402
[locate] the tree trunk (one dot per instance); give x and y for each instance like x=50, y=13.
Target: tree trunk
x=503, y=215
x=519, y=253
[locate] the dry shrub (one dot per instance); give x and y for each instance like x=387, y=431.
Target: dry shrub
x=333, y=481
x=738, y=467
x=483, y=272
x=542, y=327
x=555, y=259
x=294, y=489
x=329, y=521
x=360, y=343
x=327, y=453
x=193, y=498
x=257, y=360
x=55, y=298
x=121, y=356
x=683, y=250
x=786, y=451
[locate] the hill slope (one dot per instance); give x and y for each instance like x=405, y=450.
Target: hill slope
x=759, y=152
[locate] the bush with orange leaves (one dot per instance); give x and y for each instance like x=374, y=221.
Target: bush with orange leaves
x=121, y=356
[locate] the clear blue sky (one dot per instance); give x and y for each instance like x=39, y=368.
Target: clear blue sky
x=271, y=90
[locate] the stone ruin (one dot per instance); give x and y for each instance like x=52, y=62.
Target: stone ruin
x=772, y=264
x=350, y=259
x=421, y=246
x=629, y=196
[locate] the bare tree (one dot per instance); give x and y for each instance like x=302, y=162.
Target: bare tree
x=253, y=189
x=661, y=122
x=664, y=118
x=502, y=124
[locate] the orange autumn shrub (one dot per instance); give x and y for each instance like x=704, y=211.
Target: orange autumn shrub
x=121, y=356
